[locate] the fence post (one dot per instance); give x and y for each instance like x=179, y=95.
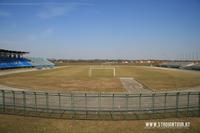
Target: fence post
x=72, y=105
x=59, y=100
x=72, y=101
x=140, y=101
x=35, y=98
x=165, y=102
x=47, y=101
x=127, y=97
x=3, y=100
x=199, y=103
x=153, y=102
x=113, y=102
x=13, y=92
x=99, y=102
x=188, y=102
x=86, y=101
x=86, y=105
x=24, y=100
x=177, y=103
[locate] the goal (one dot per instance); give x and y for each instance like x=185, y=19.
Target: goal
x=93, y=68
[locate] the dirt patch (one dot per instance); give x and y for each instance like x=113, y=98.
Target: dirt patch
x=133, y=86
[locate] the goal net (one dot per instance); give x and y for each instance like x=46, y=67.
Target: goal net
x=101, y=70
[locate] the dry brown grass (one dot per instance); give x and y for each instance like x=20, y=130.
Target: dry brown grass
x=20, y=124
x=158, y=79
x=63, y=79
x=76, y=78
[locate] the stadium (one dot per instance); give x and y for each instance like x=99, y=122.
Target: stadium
x=35, y=86
x=86, y=66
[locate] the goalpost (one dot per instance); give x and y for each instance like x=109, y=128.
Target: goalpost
x=91, y=68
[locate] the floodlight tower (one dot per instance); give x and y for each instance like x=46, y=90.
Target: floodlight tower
x=193, y=56
x=196, y=55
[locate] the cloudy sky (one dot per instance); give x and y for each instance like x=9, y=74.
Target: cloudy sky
x=103, y=29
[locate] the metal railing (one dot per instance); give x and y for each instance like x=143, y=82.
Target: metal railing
x=24, y=102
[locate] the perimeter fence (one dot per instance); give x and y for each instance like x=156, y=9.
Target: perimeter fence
x=109, y=106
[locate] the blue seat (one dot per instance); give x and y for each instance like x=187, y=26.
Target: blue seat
x=14, y=63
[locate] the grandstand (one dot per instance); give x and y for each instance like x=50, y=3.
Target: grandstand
x=177, y=64
x=40, y=62
x=193, y=67
x=15, y=59
x=189, y=65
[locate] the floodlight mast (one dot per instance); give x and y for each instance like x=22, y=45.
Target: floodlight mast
x=111, y=68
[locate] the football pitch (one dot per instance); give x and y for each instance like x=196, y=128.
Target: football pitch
x=76, y=78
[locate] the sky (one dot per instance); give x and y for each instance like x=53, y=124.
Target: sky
x=102, y=29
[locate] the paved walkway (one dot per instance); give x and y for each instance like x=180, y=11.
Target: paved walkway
x=5, y=72
x=3, y=87
x=2, y=72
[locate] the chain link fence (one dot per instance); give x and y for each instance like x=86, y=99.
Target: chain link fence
x=79, y=105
